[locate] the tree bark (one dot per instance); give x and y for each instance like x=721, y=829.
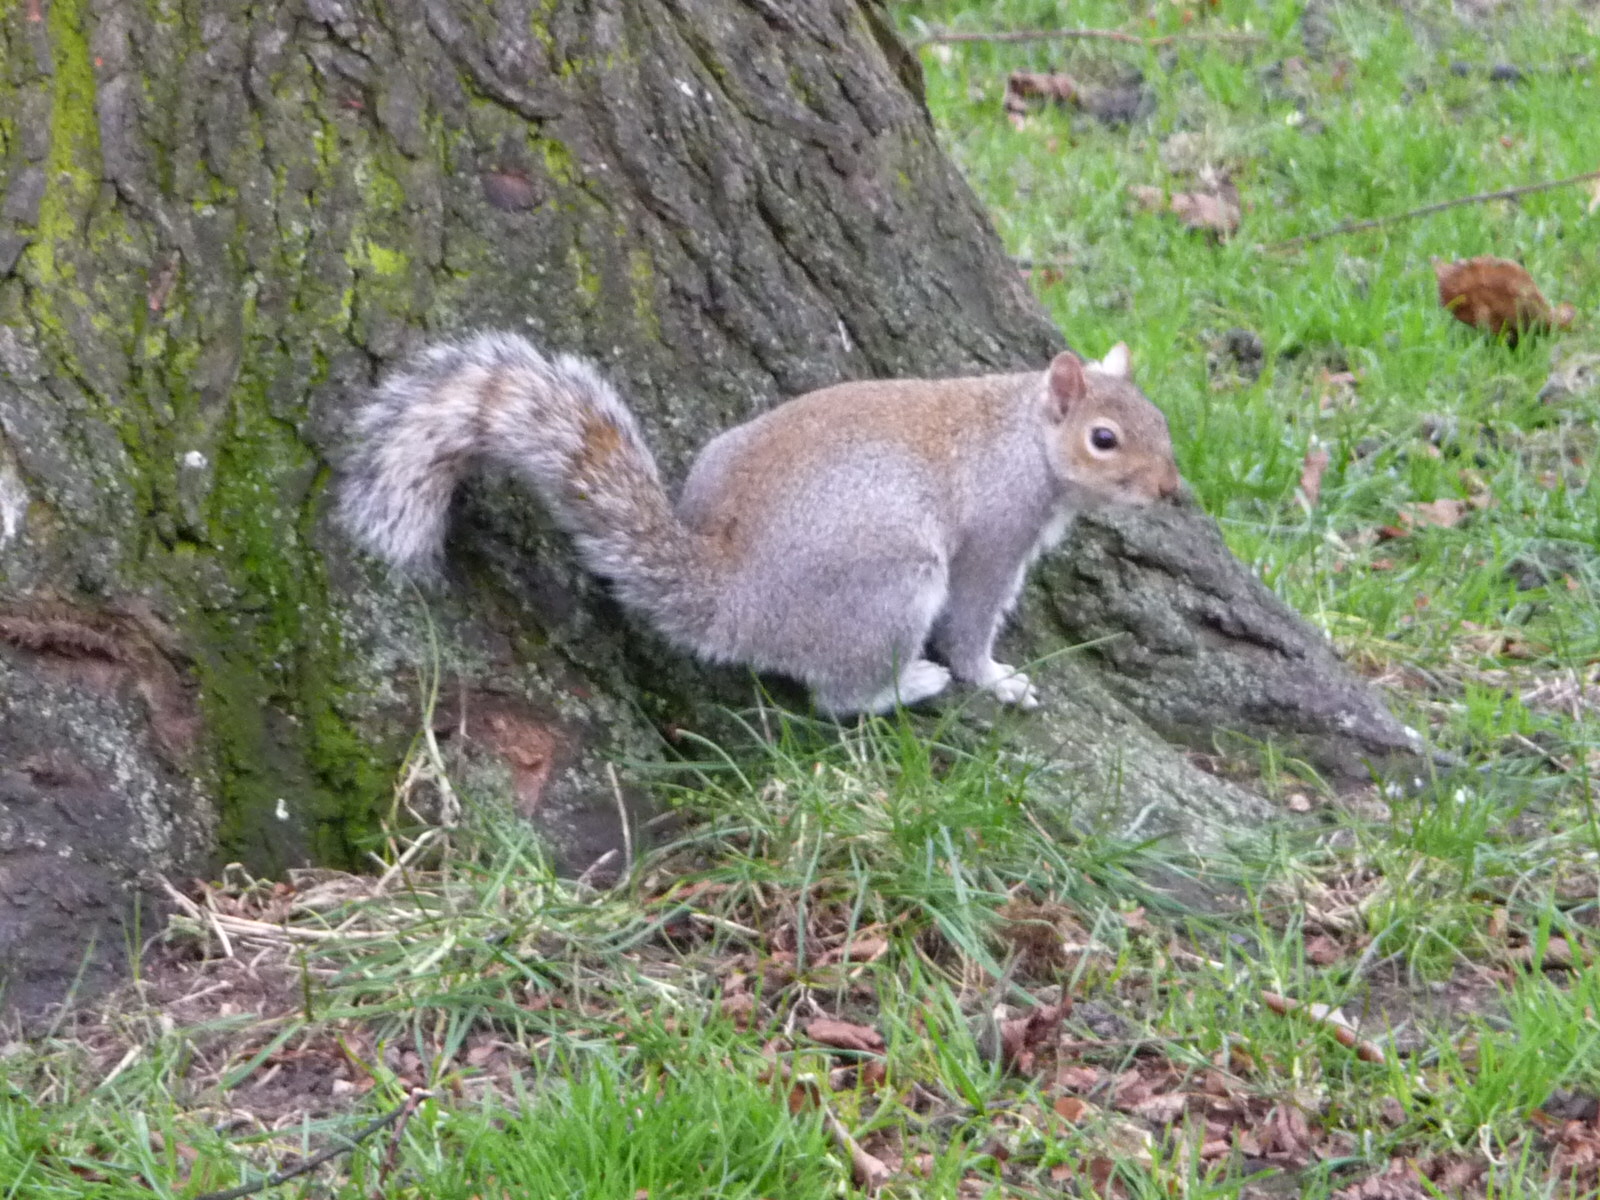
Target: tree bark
x=220, y=223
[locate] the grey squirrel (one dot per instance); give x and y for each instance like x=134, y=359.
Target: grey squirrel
x=833, y=539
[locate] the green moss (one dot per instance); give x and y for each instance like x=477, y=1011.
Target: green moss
x=585, y=278
x=385, y=261
x=642, y=283
x=72, y=167
x=558, y=161
x=295, y=777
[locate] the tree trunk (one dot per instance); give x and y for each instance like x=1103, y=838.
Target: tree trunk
x=221, y=222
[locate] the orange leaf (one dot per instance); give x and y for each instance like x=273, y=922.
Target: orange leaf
x=843, y=1035
x=1316, y=462
x=1070, y=1108
x=1497, y=295
x=1024, y=85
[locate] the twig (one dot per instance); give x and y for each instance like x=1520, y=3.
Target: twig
x=304, y=1166
x=597, y=864
x=1511, y=193
x=1099, y=35
x=1330, y=1019
x=201, y=916
x=622, y=816
x=404, y=860
x=410, y=1106
x=868, y=1170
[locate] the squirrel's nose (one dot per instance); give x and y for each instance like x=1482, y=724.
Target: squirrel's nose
x=1169, y=483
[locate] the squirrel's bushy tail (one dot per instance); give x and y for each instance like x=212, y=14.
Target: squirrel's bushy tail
x=559, y=424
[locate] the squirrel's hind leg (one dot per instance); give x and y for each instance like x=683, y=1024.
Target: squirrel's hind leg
x=921, y=679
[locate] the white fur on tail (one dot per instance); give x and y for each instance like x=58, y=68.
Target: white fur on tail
x=563, y=427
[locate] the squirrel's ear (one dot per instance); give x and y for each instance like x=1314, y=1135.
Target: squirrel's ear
x=1116, y=362
x=1067, y=384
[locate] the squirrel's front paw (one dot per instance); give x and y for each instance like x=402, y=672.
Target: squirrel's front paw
x=1010, y=686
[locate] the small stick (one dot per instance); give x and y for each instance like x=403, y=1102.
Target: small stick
x=868, y=1170
x=1100, y=35
x=597, y=864
x=410, y=1106
x=207, y=915
x=321, y=1156
x=622, y=816
x=1511, y=193
x=1330, y=1020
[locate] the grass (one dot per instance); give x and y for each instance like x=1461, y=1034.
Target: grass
x=657, y=1038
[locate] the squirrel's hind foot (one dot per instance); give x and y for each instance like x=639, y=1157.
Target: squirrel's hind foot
x=919, y=680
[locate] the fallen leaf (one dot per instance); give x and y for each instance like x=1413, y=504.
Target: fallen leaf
x=843, y=1035
x=859, y=951
x=1079, y=1078
x=1022, y=86
x=1072, y=1109
x=739, y=1008
x=1497, y=295
x=1557, y=953
x=1445, y=513
x=1022, y=1037
x=1330, y=1019
x=1323, y=950
x=1210, y=212
x=1316, y=462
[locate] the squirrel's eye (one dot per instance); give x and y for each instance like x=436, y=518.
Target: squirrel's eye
x=1103, y=438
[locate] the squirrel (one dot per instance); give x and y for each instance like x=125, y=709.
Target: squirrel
x=833, y=539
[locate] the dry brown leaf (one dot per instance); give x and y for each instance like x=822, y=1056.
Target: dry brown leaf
x=1200, y=210
x=739, y=1008
x=1162, y=1109
x=1323, y=950
x=1557, y=953
x=1316, y=462
x=1330, y=1019
x=1021, y=1038
x=844, y=1035
x=860, y=950
x=1497, y=295
x=1023, y=86
x=1079, y=1078
x=1210, y=212
x=1445, y=513
x=1071, y=1109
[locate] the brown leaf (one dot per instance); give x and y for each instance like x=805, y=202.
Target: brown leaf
x=1211, y=212
x=1201, y=210
x=844, y=1035
x=1497, y=295
x=1078, y=1078
x=1445, y=513
x=739, y=1008
x=1316, y=462
x=1557, y=953
x=1022, y=1037
x=1330, y=1019
x=860, y=950
x=1071, y=1109
x=1022, y=86
x=1323, y=950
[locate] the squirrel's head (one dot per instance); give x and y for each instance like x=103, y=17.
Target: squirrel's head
x=1105, y=436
